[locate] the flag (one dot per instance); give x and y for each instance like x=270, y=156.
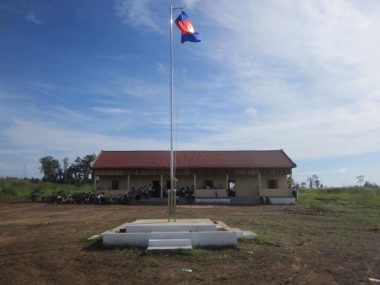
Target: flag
x=187, y=31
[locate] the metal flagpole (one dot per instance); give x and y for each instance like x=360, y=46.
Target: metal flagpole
x=171, y=193
x=172, y=199
x=171, y=116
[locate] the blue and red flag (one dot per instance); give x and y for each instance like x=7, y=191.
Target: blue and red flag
x=187, y=31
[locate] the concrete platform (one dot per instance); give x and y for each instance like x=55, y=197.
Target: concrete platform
x=170, y=242
x=162, y=225
x=182, y=234
x=169, y=248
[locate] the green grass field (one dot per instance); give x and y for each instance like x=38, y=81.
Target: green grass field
x=335, y=199
x=320, y=200
x=22, y=189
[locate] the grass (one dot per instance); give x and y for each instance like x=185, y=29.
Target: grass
x=16, y=188
x=263, y=240
x=335, y=199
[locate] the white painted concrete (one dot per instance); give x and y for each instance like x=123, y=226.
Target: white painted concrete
x=167, y=235
x=160, y=233
x=178, y=221
x=161, y=225
x=213, y=201
x=248, y=235
x=163, y=248
x=212, y=238
x=123, y=239
x=134, y=228
x=169, y=242
x=216, y=238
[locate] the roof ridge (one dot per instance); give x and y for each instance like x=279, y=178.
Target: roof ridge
x=287, y=156
x=239, y=150
x=194, y=158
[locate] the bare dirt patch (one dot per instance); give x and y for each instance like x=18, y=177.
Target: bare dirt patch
x=46, y=244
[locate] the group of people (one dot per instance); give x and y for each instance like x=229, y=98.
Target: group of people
x=143, y=192
x=184, y=191
x=65, y=198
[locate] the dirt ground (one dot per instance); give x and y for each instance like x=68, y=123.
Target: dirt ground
x=46, y=244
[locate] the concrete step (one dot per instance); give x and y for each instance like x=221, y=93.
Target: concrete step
x=248, y=235
x=169, y=227
x=169, y=242
x=163, y=248
x=170, y=235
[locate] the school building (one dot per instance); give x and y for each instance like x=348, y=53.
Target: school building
x=242, y=175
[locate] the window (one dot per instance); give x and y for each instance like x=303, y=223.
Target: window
x=115, y=184
x=208, y=184
x=272, y=184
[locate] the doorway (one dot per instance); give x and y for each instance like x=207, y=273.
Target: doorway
x=231, y=188
x=156, y=188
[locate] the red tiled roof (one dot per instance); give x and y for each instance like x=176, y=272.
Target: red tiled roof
x=194, y=159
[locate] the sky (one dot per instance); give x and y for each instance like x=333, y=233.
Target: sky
x=78, y=77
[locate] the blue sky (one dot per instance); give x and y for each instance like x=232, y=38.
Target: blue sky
x=81, y=76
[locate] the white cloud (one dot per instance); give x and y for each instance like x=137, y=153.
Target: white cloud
x=65, y=114
x=137, y=14
x=190, y=3
x=119, y=57
x=251, y=111
x=129, y=86
x=161, y=68
x=51, y=138
x=32, y=18
x=305, y=76
x=310, y=68
x=37, y=139
x=302, y=76
x=111, y=111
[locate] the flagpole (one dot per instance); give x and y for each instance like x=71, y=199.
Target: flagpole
x=171, y=114
x=172, y=199
x=171, y=193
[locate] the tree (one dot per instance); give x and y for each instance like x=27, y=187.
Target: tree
x=370, y=185
x=360, y=180
x=310, y=181
x=86, y=163
x=77, y=172
x=50, y=168
x=65, y=168
x=317, y=183
x=291, y=182
x=314, y=181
